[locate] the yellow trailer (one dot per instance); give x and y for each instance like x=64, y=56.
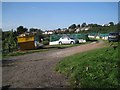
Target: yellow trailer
x=29, y=42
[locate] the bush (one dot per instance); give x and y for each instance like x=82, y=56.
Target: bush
x=46, y=42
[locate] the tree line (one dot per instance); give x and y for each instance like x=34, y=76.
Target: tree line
x=93, y=28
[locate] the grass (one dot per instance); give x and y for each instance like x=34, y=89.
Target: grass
x=63, y=46
x=93, y=69
x=18, y=53
x=0, y=56
x=93, y=39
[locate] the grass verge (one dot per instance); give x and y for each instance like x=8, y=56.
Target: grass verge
x=18, y=53
x=63, y=46
x=93, y=69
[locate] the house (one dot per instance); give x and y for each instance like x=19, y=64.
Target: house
x=106, y=25
x=48, y=32
x=63, y=30
x=87, y=28
x=77, y=30
x=82, y=28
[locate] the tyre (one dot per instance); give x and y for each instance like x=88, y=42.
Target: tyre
x=60, y=42
x=71, y=42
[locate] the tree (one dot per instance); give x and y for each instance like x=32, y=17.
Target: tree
x=66, y=31
x=33, y=30
x=95, y=25
x=78, y=26
x=111, y=23
x=25, y=29
x=73, y=26
x=58, y=29
x=84, y=24
x=21, y=30
x=9, y=40
x=39, y=32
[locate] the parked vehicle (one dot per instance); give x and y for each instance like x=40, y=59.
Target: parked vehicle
x=66, y=40
x=114, y=37
x=72, y=38
x=75, y=39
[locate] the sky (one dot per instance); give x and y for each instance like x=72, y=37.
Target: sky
x=53, y=15
x=60, y=0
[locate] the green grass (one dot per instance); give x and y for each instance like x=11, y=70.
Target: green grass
x=18, y=53
x=93, y=69
x=0, y=56
x=64, y=46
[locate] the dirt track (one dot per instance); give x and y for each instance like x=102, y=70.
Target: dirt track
x=37, y=70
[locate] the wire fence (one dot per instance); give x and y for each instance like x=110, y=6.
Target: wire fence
x=73, y=36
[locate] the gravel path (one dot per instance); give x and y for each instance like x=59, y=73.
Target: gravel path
x=37, y=70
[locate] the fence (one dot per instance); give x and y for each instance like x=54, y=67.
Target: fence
x=73, y=36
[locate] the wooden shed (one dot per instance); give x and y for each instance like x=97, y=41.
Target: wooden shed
x=29, y=42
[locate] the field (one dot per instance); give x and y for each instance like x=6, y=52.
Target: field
x=92, y=69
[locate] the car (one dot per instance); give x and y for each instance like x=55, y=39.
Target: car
x=114, y=37
x=75, y=39
x=66, y=40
